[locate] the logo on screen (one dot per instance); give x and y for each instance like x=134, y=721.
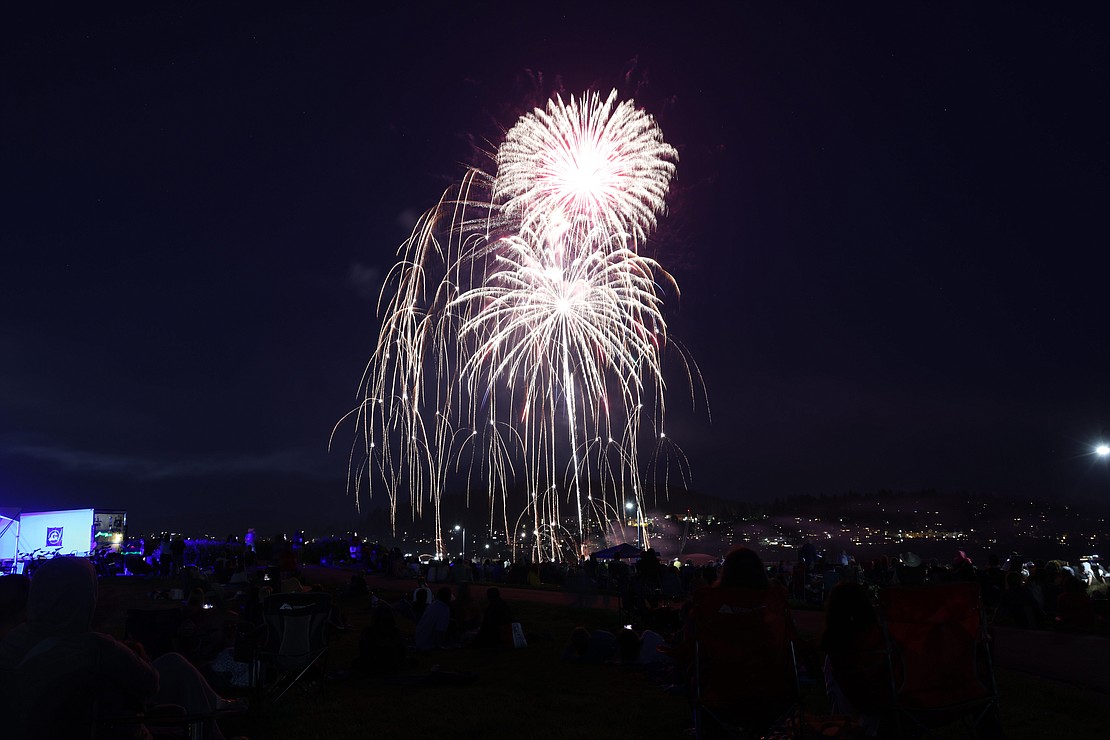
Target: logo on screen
x=54, y=536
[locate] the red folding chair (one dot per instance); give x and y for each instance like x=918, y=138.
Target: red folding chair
x=745, y=680
x=940, y=662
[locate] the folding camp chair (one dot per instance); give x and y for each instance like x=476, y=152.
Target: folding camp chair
x=48, y=694
x=745, y=680
x=294, y=641
x=162, y=722
x=940, y=661
x=53, y=694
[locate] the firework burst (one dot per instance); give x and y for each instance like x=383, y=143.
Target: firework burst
x=522, y=330
x=585, y=165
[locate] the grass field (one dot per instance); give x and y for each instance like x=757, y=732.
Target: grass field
x=532, y=695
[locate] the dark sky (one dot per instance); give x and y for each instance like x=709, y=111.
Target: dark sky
x=889, y=226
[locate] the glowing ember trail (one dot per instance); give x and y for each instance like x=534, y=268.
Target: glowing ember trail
x=522, y=332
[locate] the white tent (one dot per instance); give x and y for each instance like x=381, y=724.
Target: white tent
x=9, y=534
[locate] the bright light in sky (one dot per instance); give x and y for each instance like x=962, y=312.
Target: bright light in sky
x=546, y=316
x=1103, y=449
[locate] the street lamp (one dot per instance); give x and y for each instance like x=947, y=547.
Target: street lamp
x=1102, y=450
x=639, y=522
x=459, y=527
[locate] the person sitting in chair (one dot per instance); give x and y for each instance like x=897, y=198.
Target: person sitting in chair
x=381, y=648
x=743, y=568
x=66, y=677
x=435, y=624
x=856, y=677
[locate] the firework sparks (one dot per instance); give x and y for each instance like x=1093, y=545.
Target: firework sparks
x=522, y=327
x=586, y=164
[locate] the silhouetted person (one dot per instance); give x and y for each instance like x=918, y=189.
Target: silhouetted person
x=910, y=570
x=177, y=554
x=599, y=646
x=14, y=591
x=435, y=623
x=63, y=675
x=856, y=677
x=381, y=648
x=649, y=568
x=743, y=569
x=1017, y=606
x=496, y=622
x=992, y=581
x=61, y=671
x=1074, y=610
x=465, y=610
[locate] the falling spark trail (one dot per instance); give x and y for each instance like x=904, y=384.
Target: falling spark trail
x=521, y=303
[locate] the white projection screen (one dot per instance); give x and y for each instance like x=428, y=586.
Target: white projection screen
x=49, y=533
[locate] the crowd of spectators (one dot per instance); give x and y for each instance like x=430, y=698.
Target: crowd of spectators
x=1017, y=592
x=63, y=677
x=221, y=588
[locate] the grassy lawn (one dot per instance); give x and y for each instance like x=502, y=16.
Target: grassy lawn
x=531, y=694
x=526, y=693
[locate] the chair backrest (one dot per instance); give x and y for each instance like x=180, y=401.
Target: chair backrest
x=744, y=648
x=52, y=692
x=937, y=641
x=296, y=626
x=155, y=629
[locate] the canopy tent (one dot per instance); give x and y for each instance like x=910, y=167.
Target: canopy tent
x=9, y=533
x=622, y=551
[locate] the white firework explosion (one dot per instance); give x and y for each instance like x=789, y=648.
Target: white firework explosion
x=589, y=163
x=523, y=332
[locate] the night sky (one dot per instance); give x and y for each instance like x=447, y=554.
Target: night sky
x=889, y=227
